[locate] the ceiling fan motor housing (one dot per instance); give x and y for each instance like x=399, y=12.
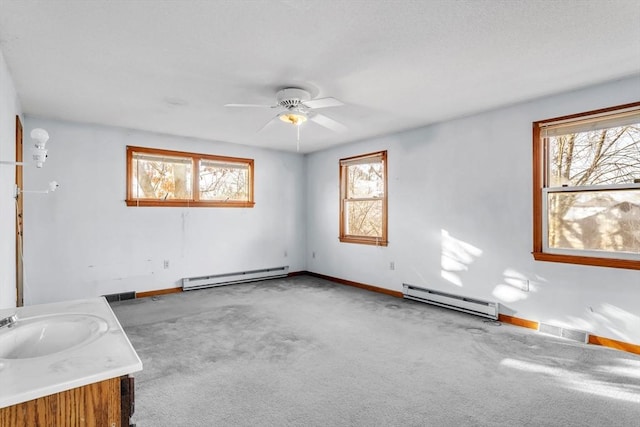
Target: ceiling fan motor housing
x=291, y=98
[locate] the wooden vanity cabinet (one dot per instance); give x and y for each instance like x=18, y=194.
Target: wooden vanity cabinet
x=107, y=403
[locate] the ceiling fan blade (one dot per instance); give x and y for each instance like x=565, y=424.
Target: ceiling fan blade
x=322, y=103
x=270, y=122
x=250, y=105
x=329, y=123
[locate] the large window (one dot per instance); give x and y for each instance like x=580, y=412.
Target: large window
x=587, y=188
x=174, y=178
x=363, y=199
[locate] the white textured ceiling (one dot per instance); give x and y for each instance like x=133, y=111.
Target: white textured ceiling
x=170, y=66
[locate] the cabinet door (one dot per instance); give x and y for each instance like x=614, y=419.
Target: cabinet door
x=92, y=405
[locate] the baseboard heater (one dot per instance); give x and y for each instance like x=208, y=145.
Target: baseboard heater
x=455, y=302
x=190, y=283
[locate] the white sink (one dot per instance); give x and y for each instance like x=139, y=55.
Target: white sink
x=44, y=335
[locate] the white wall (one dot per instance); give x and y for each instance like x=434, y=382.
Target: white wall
x=460, y=219
x=84, y=241
x=9, y=108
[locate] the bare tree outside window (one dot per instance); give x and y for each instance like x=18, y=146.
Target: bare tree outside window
x=363, y=198
x=595, y=220
x=364, y=215
x=161, y=177
x=586, y=198
x=223, y=181
x=166, y=178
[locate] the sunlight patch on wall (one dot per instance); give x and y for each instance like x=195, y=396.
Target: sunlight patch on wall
x=451, y=277
x=572, y=323
x=456, y=257
x=519, y=281
x=515, y=287
x=508, y=293
x=616, y=332
x=629, y=319
x=618, y=321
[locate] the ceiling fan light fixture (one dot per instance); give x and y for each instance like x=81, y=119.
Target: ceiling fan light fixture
x=294, y=118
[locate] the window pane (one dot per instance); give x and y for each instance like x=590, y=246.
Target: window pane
x=595, y=220
x=607, y=156
x=363, y=218
x=161, y=177
x=365, y=180
x=224, y=180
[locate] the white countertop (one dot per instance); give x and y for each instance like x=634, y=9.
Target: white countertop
x=108, y=356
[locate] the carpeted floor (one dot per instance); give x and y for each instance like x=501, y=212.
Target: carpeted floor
x=302, y=351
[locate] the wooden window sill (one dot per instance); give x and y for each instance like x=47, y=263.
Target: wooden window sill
x=584, y=260
x=188, y=204
x=364, y=241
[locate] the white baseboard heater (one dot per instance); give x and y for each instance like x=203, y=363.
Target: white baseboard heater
x=455, y=302
x=190, y=283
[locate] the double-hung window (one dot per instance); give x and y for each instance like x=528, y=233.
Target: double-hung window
x=175, y=178
x=587, y=188
x=363, y=199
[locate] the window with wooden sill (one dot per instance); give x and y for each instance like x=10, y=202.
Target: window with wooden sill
x=586, y=188
x=363, y=199
x=175, y=178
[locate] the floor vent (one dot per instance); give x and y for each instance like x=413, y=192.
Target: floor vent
x=455, y=302
x=571, y=334
x=120, y=297
x=190, y=283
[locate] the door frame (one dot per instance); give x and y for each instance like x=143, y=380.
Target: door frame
x=19, y=218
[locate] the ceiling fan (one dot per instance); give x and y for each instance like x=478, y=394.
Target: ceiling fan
x=297, y=107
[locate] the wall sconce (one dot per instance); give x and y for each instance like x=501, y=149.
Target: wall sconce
x=38, y=151
x=53, y=185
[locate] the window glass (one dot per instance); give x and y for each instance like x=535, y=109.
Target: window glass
x=607, y=156
x=595, y=220
x=587, y=188
x=366, y=180
x=174, y=178
x=363, y=218
x=363, y=198
x=223, y=181
x=161, y=177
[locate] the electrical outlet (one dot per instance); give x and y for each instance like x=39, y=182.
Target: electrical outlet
x=392, y=265
x=286, y=254
x=526, y=286
x=166, y=264
x=313, y=254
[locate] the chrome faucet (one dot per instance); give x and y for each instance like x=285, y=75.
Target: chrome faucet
x=8, y=321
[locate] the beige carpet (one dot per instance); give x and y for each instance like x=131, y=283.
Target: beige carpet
x=305, y=352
